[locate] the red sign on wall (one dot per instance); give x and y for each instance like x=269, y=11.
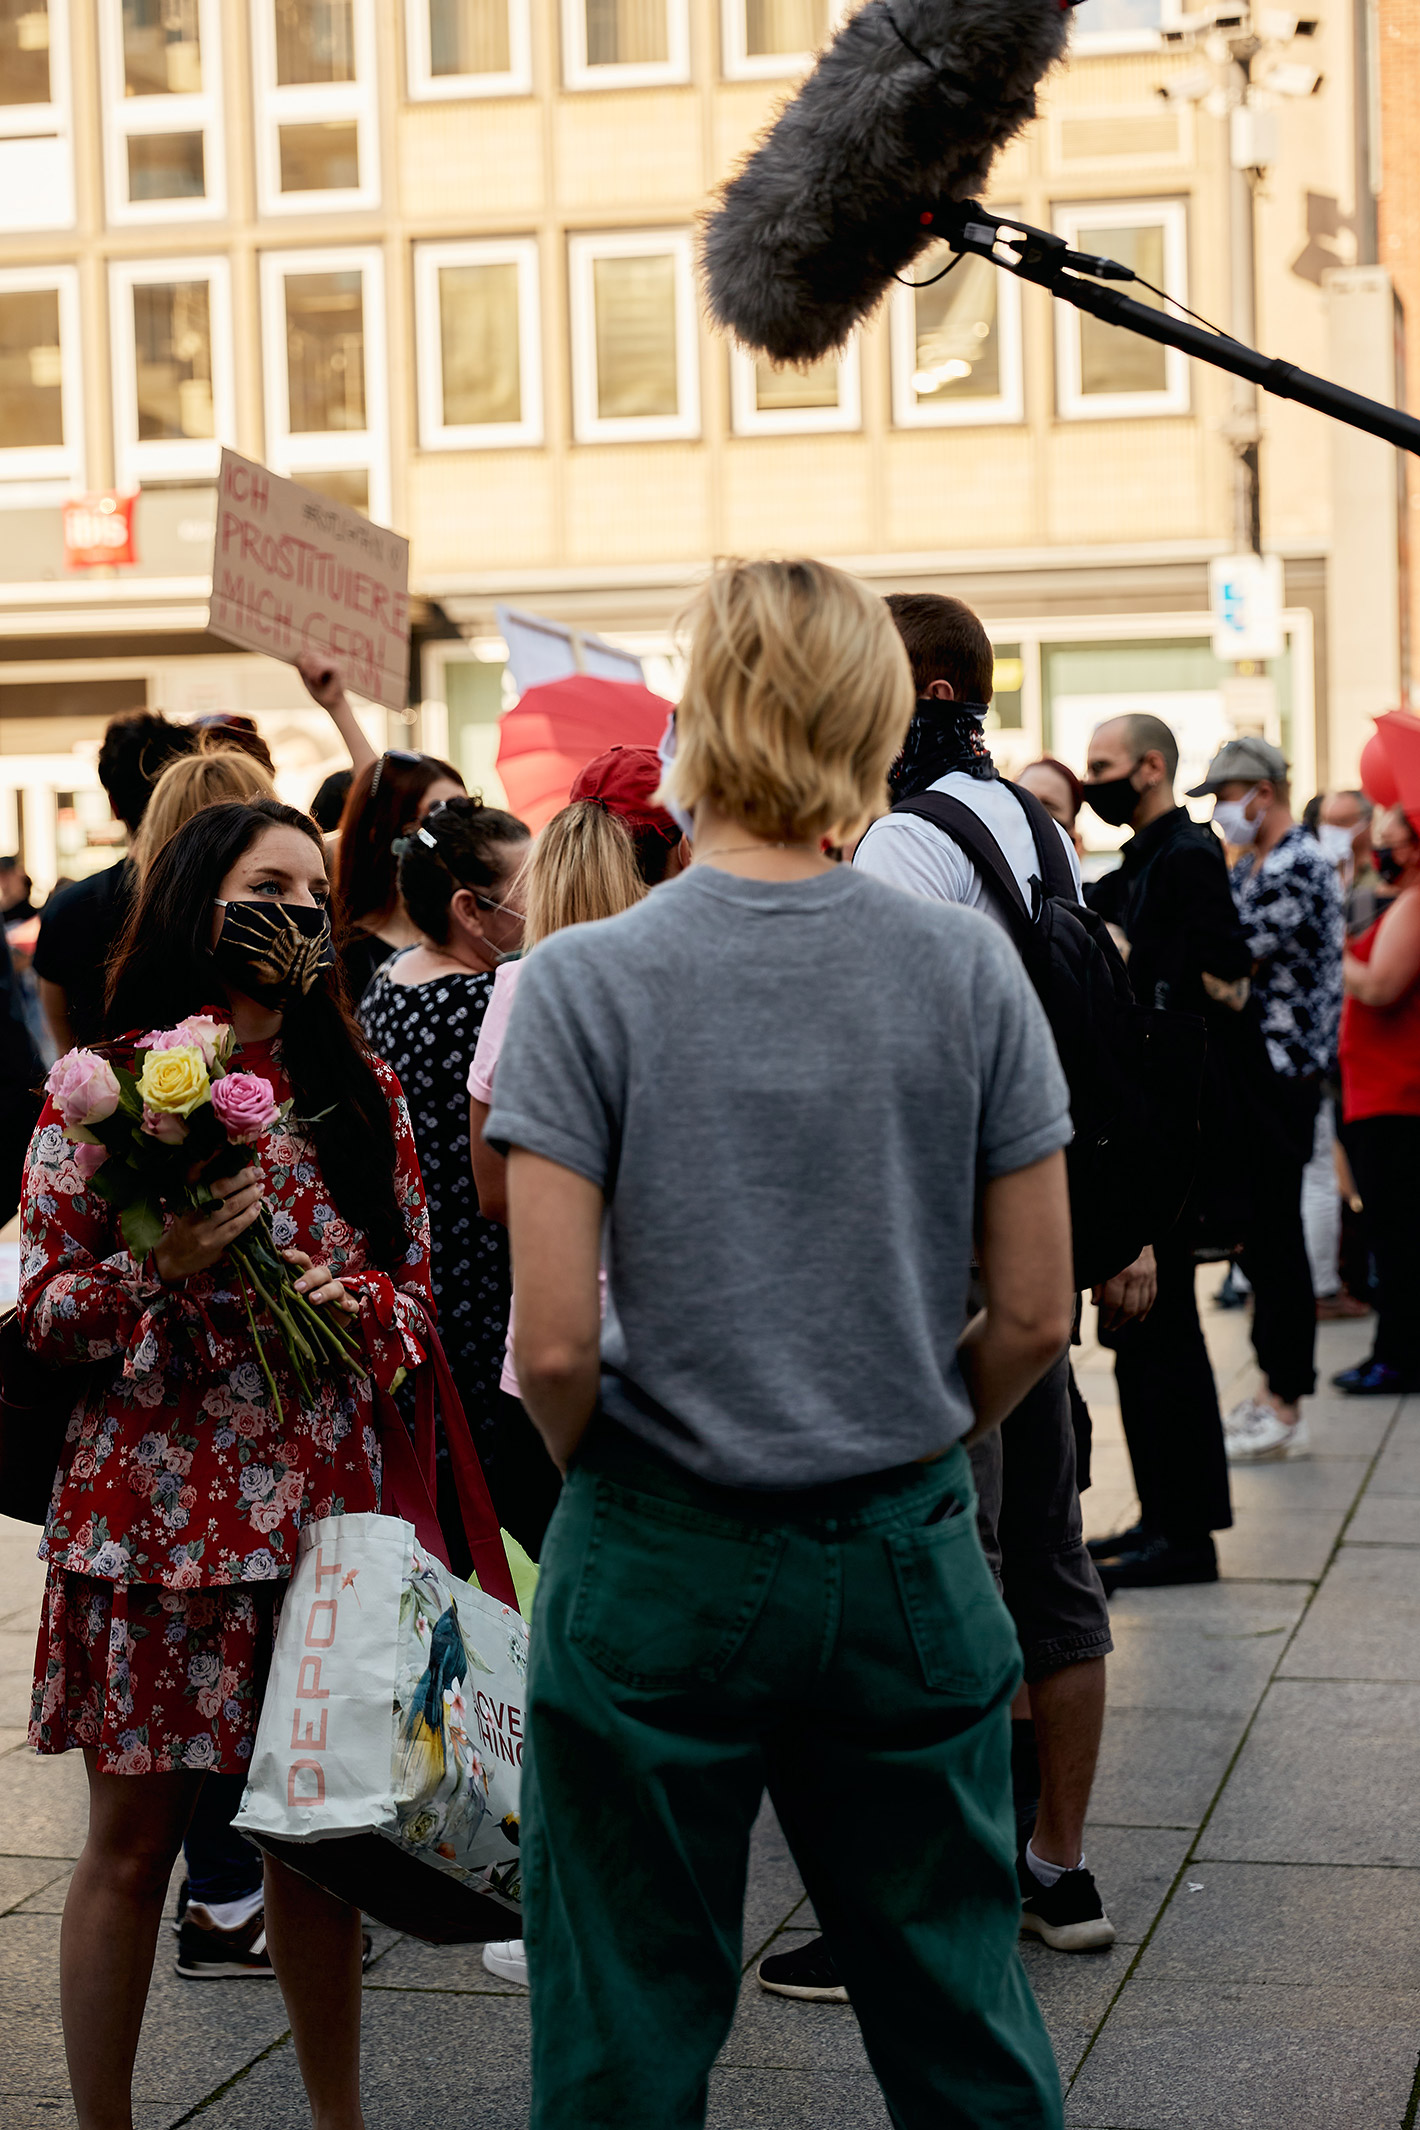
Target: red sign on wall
x=98, y=531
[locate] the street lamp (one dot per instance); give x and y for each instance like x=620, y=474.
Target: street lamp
x=1243, y=75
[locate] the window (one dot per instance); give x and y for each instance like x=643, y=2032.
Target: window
x=625, y=44
x=41, y=419
x=326, y=411
x=766, y=400
x=163, y=110
x=635, y=366
x=1124, y=25
x=36, y=163
x=314, y=65
x=956, y=344
x=767, y=37
x=172, y=368
x=480, y=367
x=1103, y=369
x=469, y=48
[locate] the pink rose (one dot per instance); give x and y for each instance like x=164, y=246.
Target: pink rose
x=198, y=1032
x=159, y=1125
x=88, y=1160
x=212, y=1038
x=186, y=1576
x=136, y=1761
x=83, y=1087
x=245, y=1106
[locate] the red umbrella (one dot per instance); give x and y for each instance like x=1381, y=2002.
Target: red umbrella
x=552, y=733
x=1390, y=763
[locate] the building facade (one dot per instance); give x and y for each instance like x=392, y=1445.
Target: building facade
x=437, y=258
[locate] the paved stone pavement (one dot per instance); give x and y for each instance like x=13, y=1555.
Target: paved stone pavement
x=1256, y=1831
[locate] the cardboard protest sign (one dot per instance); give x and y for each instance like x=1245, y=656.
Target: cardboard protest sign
x=294, y=572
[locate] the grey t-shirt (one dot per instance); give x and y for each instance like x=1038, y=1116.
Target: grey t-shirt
x=784, y=1090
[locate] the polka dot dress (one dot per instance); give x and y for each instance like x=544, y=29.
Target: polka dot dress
x=427, y=1033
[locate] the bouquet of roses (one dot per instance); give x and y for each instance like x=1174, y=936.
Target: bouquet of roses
x=156, y=1136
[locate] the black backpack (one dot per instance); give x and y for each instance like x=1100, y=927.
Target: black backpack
x=1133, y=1074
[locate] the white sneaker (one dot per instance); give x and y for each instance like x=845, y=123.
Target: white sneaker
x=1244, y=1418
x=1267, y=1437
x=507, y=1959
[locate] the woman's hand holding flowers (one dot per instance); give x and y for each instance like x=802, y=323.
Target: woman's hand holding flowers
x=197, y=1239
x=319, y=1284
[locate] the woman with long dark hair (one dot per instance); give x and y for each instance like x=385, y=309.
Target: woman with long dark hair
x=182, y=1492
x=387, y=797
x=458, y=878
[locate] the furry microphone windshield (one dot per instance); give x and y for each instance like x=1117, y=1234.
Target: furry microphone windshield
x=910, y=104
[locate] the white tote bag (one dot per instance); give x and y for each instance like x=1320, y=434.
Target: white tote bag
x=388, y=1753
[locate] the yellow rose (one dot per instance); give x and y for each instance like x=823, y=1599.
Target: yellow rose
x=174, y=1082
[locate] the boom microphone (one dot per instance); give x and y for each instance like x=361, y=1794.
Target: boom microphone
x=910, y=104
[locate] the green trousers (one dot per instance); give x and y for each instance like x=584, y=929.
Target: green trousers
x=844, y=1647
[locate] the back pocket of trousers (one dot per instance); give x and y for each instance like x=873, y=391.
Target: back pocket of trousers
x=667, y=1594
x=960, y=1628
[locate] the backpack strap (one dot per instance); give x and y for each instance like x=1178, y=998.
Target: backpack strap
x=1055, y=870
x=975, y=838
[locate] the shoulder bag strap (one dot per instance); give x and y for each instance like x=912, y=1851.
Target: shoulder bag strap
x=975, y=838
x=1050, y=852
x=412, y=1470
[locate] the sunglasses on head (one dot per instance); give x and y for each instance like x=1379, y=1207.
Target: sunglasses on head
x=395, y=754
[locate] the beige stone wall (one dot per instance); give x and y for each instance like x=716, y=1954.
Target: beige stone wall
x=1398, y=67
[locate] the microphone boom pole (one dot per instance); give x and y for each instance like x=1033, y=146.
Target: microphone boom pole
x=1040, y=256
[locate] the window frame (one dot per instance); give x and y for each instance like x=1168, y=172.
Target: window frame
x=39, y=123
x=578, y=74
x=1072, y=403
x=749, y=419
x=313, y=103
x=434, y=433
x=1006, y=407
x=296, y=452
x=169, y=458
x=584, y=248
x=427, y=87
x=29, y=121
x=738, y=64
x=42, y=472
x=126, y=116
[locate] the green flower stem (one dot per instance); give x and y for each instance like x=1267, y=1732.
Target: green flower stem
x=262, y=1361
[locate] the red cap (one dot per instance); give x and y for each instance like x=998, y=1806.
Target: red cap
x=623, y=780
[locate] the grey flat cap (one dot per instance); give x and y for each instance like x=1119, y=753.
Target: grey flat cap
x=1244, y=761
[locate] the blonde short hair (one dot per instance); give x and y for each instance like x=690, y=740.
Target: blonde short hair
x=582, y=867
x=797, y=698
x=189, y=784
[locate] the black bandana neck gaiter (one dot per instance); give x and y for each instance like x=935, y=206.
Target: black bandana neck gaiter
x=273, y=951
x=942, y=737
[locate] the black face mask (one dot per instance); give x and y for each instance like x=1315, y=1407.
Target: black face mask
x=273, y=951
x=1391, y=866
x=1114, y=800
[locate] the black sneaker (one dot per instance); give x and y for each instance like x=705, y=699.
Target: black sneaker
x=1160, y=1563
x=1105, y=1549
x=808, y=1973
x=1069, y=1915
x=176, y=1925
x=207, y=1954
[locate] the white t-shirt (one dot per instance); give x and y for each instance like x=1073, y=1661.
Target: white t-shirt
x=908, y=852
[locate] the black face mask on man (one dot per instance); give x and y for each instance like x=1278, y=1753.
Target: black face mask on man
x=1390, y=865
x=273, y=951
x=1114, y=799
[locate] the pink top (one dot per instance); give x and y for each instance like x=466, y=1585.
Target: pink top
x=480, y=1087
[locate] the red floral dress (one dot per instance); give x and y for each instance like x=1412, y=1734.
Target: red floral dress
x=176, y=1509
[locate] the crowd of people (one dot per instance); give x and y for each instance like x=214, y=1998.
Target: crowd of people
x=744, y=1075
